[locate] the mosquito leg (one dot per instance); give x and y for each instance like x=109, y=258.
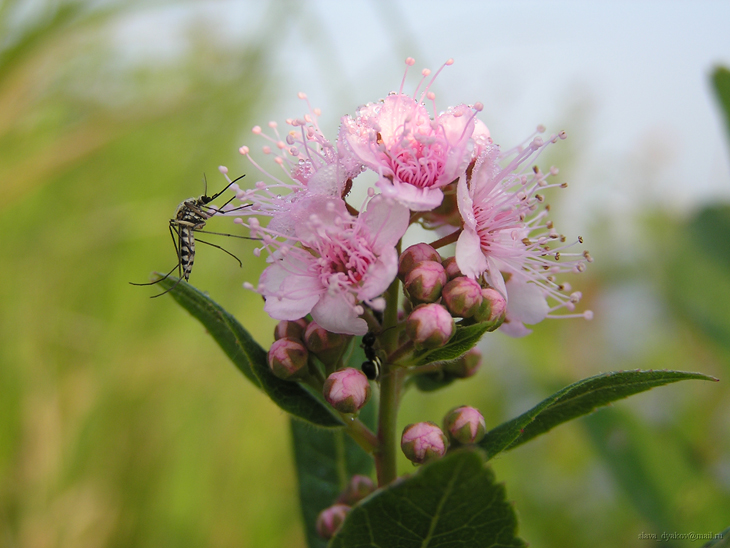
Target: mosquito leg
x=178, y=249
x=219, y=247
x=160, y=279
x=167, y=290
x=231, y=235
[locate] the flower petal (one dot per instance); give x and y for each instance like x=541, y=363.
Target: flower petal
x=336, y=314
x=414, y=198
x=526, y=302
x=514, y=329
x=469, y=256
x=386, y=221
x=380, y=275
x=465, y=203
x=290, y=290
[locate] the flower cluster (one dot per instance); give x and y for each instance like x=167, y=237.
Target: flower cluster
x=335, y=267
x=333, y=261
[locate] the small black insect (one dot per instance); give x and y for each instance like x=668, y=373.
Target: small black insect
x=371, y=367
x=190, y=217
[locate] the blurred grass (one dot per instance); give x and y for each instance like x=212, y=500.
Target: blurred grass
x=122, y=424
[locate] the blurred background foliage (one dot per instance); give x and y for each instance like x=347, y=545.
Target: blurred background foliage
x=122, y=424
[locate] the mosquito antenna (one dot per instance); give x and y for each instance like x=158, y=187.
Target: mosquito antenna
x=225, y=188
x=213, y=211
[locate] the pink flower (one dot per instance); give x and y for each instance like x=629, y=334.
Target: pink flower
x=414, y=154
x=430, y=326
x=331, y=519
x=342, y=261
x=423, y=441
x=347, y=390
x=312, y=165
x=465, y=425
x=507, y=236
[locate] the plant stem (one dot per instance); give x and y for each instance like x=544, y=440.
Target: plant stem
x=446, y=240
x=361, y=434
x=390, y=380
x=355, y=427
x=385, y=456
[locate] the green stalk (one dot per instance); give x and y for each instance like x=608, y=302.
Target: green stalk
x=390, y=380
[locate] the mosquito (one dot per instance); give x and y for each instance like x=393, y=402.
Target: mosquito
x=190, y=217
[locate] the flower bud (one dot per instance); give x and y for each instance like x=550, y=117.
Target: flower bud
x=425, y=281
x=451, y=268
x=288, y=359
x=327, y=346
x=493, y=307
x=330, y=519
x=347, y=390
x=465, y=366
x=291, y=329
x=423, y=441
x=430, y=326
x=358, y=488
x=463, y=297
x=415, y=254
x=465, y=425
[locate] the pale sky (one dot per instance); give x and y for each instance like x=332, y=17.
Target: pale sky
x=629, y=81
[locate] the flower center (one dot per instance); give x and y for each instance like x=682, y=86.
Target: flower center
x=418, y=164
x=344, y=263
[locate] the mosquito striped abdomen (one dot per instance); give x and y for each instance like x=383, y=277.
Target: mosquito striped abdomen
x=187, y=251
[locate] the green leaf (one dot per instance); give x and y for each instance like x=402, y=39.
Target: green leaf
x=463, y=340
x=454, y=502
x=721, y=540
x=430, y=382
x=721, y=83
x=578, y=399
x=325, y=461
x=248, y=356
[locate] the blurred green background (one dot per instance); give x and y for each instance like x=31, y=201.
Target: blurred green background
x=121, y=422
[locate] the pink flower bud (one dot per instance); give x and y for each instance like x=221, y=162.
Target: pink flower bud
x=288, y=359
x=327, y=346
x=415, y=254
x=430, y=326
x=423, y=441
x=493, y=307
x=465, y=425
x=465, y=366
x=347, y=390
x=330, y=519
x=292, y=330
x=425, y=281
x=463, y=297
x=451, y=268
x=358, y=488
